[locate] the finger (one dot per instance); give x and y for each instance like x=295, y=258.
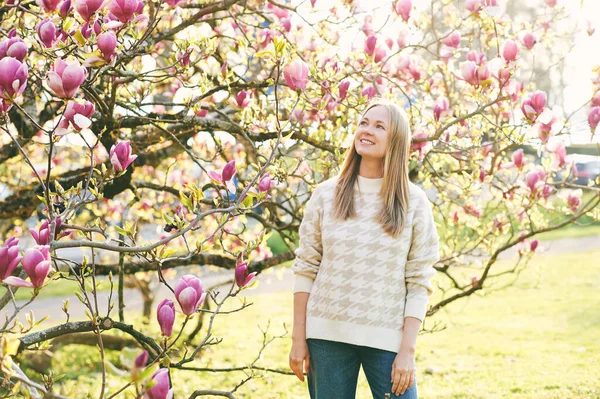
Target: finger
x=296, y=368
x=402, y=384
x=395, y=382
x=307, y=364
x=412, y=379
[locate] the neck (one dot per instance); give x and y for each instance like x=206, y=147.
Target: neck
x=371, y=168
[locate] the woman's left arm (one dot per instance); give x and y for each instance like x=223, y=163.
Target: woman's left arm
x=422, y=255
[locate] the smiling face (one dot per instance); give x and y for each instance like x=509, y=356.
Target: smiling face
x=372, y=133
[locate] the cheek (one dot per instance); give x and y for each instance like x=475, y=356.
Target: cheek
x=384, y=139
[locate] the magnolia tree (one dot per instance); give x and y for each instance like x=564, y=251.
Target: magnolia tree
x=215, y=120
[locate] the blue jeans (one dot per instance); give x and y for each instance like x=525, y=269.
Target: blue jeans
x=334, y=367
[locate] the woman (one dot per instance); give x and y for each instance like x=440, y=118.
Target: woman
x=363, y=267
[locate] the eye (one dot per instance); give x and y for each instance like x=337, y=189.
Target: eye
x=381, y=126
x=362, y=123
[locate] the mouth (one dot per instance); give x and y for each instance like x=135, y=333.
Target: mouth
x=366, y=142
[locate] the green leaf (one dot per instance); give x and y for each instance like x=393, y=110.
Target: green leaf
x=121, y=231
x=185, y=200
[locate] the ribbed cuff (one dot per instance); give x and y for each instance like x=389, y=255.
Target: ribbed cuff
x=303, y=284
x=415, y=308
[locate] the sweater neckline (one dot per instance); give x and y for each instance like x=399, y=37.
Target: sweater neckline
x=369, y=185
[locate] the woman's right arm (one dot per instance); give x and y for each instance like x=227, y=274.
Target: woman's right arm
x=305, y=268
x=299, y=356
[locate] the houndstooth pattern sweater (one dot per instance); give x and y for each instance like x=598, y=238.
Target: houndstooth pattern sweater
x=362, y=281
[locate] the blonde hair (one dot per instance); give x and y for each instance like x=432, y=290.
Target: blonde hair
x=395, y=188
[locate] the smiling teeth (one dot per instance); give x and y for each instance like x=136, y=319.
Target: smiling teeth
x=366, y=142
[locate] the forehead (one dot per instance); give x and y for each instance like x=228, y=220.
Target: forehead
x=377, y=113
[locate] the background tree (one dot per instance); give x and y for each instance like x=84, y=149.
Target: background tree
x=215, y=120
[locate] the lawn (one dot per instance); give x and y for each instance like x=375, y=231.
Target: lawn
x=536, y=339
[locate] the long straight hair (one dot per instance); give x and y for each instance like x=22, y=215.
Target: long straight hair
x=395, y=189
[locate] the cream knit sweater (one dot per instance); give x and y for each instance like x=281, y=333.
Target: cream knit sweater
x=362, y=282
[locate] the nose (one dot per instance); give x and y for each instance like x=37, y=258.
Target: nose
x=367, y=130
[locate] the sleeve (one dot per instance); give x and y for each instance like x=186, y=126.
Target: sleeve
x=422, y=255
x=310, y=248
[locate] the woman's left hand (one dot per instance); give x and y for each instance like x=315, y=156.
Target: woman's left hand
x=403, y=372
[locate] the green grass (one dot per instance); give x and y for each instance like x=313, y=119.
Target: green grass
x=572, y=231
x=64, y=288
x=536, y=339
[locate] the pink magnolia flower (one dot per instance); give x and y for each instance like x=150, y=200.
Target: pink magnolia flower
x=422, y=147
x=286, y=23
x=482, y=175
x=13, y=47
x=9, y=257
x=589, y=28
x=473, y=5
x=296, y=74
x=533, y=245
x=65, y=9
x=534, y=105
x=77, y=115
x=403, y=8
x=594, y=118
x=165, y=314
x=574, y=199
x=266, y=36
x=452, y=40
x=370, y=44
x=120, y=155
x=161, y=389
x=226, y=174
x=141, y=360
x=441, y=107
x=42, y=235
x=596, y=99
x=472, y=209
x=13, y=80
x=47, y=33
x=242, y=278
x=533, y=180
x=174, y=3
x=518, y=158
x=389, y=42
x=265, y=183
x=87, y=8
x=87, y=29
x=184, y=58
x=278, y=11
x=65, y=78
x=243, y=98
x=474, y=74
x=550, y=3
x=343, y=89
x=107, y=43
x=189, y=294
x=367, y=26
x=454, y=216
x=36, y=263
x=124, y=10
x=48, y=5
x=529, y=40
x=402, y=39
x=547, y=191
x=498, y=224
x=510, y=50
x=477, y=57
x=369, y=91
x=380, y=54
